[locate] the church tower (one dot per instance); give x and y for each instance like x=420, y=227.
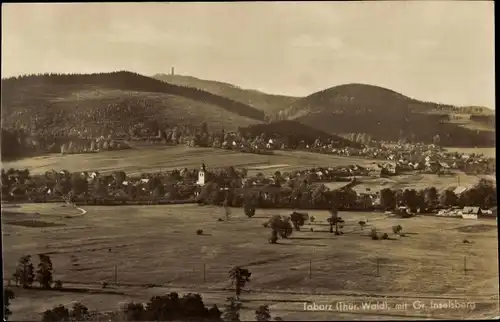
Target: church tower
x=202, y=175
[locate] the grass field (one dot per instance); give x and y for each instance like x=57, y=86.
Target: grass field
x=419, y=181
x=489, y=152
x=149, y=159
x=158, y=244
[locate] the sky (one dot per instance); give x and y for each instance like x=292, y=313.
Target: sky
x=432, y=51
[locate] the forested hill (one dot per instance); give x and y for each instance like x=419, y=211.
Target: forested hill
x=387, y=115
x=269, y=103
x=53, y=108
x=15, y=89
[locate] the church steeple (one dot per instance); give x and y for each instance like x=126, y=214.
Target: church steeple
x=201, y=175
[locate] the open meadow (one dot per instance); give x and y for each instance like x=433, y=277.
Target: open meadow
x=488, y=152
x=157, y=245
x=420, y=181
x=155, y=158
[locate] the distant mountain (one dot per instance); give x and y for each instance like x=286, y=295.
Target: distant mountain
x=293, y=132
x=268, y=103
x=113, y=103
x=385, y=115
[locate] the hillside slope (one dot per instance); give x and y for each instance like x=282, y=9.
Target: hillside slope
x=384, y=114
x=293, y=132
x=268, y=103
x=112, y=102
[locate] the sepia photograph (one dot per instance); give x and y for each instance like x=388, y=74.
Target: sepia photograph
x=249, y=161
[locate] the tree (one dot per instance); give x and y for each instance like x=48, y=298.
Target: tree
x=297, y=219
x=133, y=311
x=79, y=312
x=262, y=313
x=231, y=172
x=100, y=188
x=448, y=198
x=204, y=127
x=8, y=296
x=387, y=199
x=57, y=314
x=232, y=310
x=239, y=276
x=397, y=229
x=24, y=274
x=44, y=271
x=362, y=224
x=483, y=194
x=119, y=177
x=100, y=145
x=279, y=225
x=318, y=195
x=334, y=220
x=159, y=192
x=431, y=197
x=79, y=185
x=274, y=236
x=248, y=207
x=410, y=199
x=277, y=177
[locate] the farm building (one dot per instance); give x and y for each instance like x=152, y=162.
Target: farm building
x=471, y=212
x=456, y=213
x=489, y=213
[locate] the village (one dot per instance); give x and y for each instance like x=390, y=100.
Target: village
x=301, y=189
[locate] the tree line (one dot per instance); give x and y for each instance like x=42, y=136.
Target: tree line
x=483, y=194
x=168, y=307
x=302, y=195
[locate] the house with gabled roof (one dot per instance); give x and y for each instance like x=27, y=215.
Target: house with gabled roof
x=471, y=212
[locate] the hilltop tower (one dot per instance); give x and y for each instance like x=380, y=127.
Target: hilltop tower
x=202, y=175
x=172, y=72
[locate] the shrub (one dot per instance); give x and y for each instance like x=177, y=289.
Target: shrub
x=104, y=284
x=373, y=234
x=397, y=229
x=249, y=210
x=385, y=236
x=199, y=232
x=274, y=237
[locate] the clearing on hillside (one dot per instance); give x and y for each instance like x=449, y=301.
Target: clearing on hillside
x=160, y=158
